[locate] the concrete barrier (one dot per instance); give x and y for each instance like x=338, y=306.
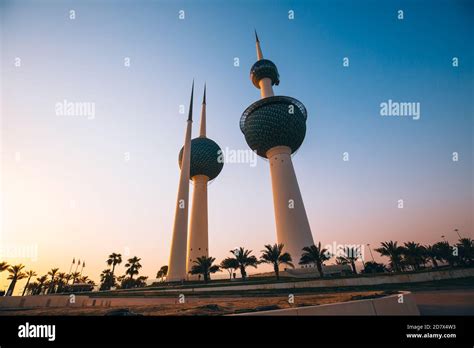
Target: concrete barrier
x=51, y=301
x=343, y=282
x=42, y=301
x=400, y=304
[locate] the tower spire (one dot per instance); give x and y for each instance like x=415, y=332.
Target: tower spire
x=190, y=114
x=259, y=49
x=202, y=129
x=204, y=97
x=177, y=260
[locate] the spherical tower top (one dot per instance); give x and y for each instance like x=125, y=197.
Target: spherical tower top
x=264, y=68
x=206, y=158
x=206, y=155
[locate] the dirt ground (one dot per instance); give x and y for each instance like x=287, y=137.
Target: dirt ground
x=209, y=305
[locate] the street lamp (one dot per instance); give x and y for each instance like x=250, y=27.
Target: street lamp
x=370, y=250
x=457, y=231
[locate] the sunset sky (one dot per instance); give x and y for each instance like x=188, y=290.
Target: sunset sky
x=68, y=189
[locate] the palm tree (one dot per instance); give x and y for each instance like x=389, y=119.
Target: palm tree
x=52, y=283
x=393, y=252
x=32, y=288
x=245, y=260
x=273, y=254
x=133, y=266
x=106, y=279
x=61, y=280
x=141, y=282
x=315, y=255
x=114, y=259
x=84, y=279
x=29, y=274
x=466, y=250
x=432, y=253
x=16, y=273
x=446, y=253
x=3, y=266
x=75, y=276
x=204, y=265
x=163, y=272
x=230, y=264
x=41, y=282
x=351, y=255
x=374, y=267
x=104, y=276
x=414, y=255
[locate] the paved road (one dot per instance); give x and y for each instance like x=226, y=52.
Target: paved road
x=445, y=302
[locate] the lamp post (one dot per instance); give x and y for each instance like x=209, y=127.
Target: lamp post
x=457, y=231
x=371, y=255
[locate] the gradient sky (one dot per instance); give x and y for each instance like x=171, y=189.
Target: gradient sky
x=67, y=189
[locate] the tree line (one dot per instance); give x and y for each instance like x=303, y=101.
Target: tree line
x=410, y=256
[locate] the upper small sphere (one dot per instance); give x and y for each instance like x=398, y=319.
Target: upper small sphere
x=205, y=159
x=274, y=121
x=264, y=68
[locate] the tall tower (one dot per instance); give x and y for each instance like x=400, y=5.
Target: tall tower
x=205, y=166
x=275, y=127
x=177, y=261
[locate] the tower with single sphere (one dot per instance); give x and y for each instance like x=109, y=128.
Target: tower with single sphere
x=205, y=166
x=275, y=127
x=177, y=260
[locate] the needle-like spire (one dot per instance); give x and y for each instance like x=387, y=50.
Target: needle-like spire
x=259, y=49
x=190, y=114
x=204, y=97
x=202, y=129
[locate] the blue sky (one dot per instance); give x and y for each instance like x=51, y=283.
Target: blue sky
x=123, y=205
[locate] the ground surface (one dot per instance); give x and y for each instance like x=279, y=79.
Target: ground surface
x=445, y=302
x=444, y=297
x=216, y=305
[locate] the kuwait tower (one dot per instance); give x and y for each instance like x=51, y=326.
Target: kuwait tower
x=177, y=260
x=205, y=166
x=275, y=127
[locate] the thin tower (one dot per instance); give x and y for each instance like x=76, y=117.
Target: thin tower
x=275, y=127
x=177, y=260
x=205, y=166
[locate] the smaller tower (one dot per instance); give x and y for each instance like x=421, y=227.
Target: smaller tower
x=205, y=166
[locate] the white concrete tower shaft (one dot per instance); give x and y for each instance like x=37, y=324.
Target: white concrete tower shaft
x=177, y=260
x=198, y=242
x=292, y=225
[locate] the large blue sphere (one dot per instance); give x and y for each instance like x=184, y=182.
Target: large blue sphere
x=274, y=121
x=205, y=158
